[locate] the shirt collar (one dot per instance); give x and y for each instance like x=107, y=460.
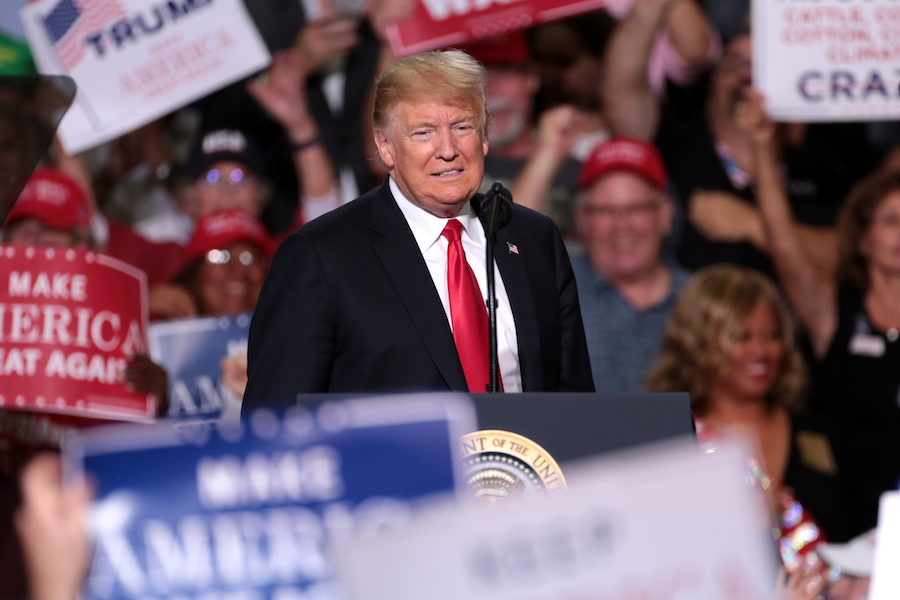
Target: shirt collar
x=426, y=227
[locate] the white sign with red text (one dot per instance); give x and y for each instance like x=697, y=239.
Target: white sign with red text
x=69, y=321
x=828, y=60
x=670, y=524
x=137, y=60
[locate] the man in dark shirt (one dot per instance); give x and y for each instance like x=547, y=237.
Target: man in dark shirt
x=709, y=156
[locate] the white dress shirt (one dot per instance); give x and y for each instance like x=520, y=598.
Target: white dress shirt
x=427, y=228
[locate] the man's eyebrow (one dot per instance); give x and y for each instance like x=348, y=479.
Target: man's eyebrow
x=420, y=124
x=464, y=118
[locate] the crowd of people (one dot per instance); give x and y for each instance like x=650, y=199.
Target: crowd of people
x=753, y=264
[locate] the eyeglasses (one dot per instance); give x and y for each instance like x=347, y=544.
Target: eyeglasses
x=236, y=177
x=637, y=210
x=224, y=257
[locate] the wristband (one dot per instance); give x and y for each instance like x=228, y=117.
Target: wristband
x=313, y=141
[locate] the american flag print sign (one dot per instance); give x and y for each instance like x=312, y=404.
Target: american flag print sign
x=134, y=61
x=71, y=20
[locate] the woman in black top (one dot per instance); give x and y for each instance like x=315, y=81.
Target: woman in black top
x=852, y=316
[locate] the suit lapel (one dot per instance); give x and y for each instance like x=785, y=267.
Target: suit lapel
x=515, y=279
x=404, y=264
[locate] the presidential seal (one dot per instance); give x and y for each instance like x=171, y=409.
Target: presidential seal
x=500, y=464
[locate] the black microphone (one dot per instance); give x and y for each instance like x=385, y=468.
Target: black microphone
x=495, y=210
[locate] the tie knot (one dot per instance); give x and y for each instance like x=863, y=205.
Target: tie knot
x=452, y=230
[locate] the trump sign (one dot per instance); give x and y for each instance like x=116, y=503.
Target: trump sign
x=440, y=23
x=137, y=60
x=69, y=321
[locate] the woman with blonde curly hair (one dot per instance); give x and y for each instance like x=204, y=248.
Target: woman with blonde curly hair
x=710, y=325
x=730, y=343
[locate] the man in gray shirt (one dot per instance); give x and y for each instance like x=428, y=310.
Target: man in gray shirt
x=626, y=287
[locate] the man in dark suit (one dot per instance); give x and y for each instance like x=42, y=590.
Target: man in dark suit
x=371, y=296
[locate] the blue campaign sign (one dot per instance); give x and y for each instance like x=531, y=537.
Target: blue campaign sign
x=206, y=360
x=245, y=510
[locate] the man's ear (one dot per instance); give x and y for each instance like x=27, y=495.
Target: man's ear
x=485, y=143
x=385, y=153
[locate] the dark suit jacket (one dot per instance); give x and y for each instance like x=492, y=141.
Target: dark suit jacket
x=349, y=306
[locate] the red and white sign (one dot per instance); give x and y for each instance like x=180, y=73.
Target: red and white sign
x=441, y=23
x=69, y=321
x=137, y=60
x=829, y=60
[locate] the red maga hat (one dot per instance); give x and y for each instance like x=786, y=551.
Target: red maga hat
x=54, y=199
x=624, y=154
x=224, y=228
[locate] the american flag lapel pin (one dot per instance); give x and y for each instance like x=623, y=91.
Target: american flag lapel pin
x=513, y=249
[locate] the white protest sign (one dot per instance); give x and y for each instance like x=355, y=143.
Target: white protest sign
x=672, y=524
x=885, y=574
x=827, y=60
x=137, y=60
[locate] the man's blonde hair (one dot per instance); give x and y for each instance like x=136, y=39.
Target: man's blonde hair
x=441, y=76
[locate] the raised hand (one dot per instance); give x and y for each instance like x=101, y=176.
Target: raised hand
x=384, y=12
x=559, y=128
x=51, y=523
x=751, y=119
x=282, y=92
x=327, y=36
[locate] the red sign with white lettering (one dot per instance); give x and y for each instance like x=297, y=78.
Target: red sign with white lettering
x=69, y=321
x=441, y=23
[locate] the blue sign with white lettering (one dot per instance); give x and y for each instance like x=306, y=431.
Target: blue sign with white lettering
x=246, y=511
x=206, y=360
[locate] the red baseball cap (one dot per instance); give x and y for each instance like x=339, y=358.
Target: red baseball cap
x=624, y=154
x=224, y=228
x=54, y=199
x=509, y=49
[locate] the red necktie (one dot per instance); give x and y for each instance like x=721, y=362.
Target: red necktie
x=467, y=312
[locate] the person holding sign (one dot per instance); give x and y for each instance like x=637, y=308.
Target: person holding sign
x=709, y=158
x=852, y=317
x=53, y=210
x=362, y=299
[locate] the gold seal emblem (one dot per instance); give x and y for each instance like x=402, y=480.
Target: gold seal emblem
x=500, y=464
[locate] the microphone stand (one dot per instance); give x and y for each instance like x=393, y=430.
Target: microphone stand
x=494, y=215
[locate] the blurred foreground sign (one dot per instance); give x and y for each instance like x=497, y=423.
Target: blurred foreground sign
x=137, y=60
x=31, y=107
x=829, y=60
x=207, y=364
x=885, y=575
x=673, y=523
x=247, y=511
x=439, y=23
x=69, y=321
